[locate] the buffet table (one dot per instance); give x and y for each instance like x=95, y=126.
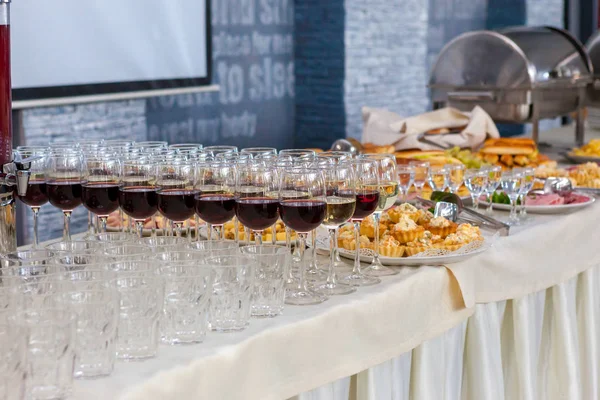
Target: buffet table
x=533, y=301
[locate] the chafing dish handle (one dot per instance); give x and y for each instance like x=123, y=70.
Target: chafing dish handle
x=472, y=96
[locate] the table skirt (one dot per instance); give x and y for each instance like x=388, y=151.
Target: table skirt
x=545, y=345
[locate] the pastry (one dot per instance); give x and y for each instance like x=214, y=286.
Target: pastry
x=441, y=226
x=390, y=247
x=406, y=230
x=427, y=241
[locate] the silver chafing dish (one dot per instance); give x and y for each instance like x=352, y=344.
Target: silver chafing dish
x=517, y=75
x=593, y=49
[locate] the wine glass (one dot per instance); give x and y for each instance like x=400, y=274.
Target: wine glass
x=214, y=199
x=175, y=182
x=388, y=194
x=527, y=181
x=438, y=178
x=64, y=177
x=366, y=178
x=421, y=169
x=256, y=205
x=138, y=196
x=298, y=153
x=100, y=192
x=36, y=195
x=303, y=214
x=494, y=173
x=476, y=181
x=151, y=146
x=341, y=202
x=259, y=151
x=511, y=185
x=215, y=150
x=406, y=178
x=456, y=176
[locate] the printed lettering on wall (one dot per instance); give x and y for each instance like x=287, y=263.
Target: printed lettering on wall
x=252, y=45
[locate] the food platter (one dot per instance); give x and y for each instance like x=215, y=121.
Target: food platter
x=580, y=159
x=550, y=209
x=433, y=257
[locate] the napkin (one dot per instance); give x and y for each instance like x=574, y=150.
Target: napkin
x=383, y=127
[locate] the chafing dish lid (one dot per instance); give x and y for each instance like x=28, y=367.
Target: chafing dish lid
x=593, y=49
x=514, y=58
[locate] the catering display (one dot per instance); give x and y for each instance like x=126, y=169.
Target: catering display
x=550, y=203
x=589, y=152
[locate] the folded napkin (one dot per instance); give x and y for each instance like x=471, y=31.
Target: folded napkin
x=383, y=127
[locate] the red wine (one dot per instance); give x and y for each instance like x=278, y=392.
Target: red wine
x=36, y=194
x=366, y=203
x=65, y=195
x=215, y=209
x=5, y=97
x=257, y=213
x=303, y=215
x=100, y=198
x=176, y=204
x=139, y=202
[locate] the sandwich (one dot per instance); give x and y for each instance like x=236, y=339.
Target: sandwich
x=435, y=157
x=510, y=152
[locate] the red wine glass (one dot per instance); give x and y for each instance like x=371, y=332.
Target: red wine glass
x=138, y=196
x=341, y=203
x=36, y=195
x=303, y=215
x=256, y=202
x=214, y=200
x=176, y=193
x=100, y=192
x=64, y=178
x=366, y=176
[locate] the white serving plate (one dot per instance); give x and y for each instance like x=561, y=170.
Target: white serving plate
x=556, y=209
x=581, y=159
x=462, y=254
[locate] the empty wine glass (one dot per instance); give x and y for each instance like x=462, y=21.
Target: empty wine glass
x=138, y=191
x=36, y=195
x=366, y=176
x=64, y=177
x=476, y=181
x=175, y=182
x=341, y=202
x=438, y=178
x=303, y=214
x=511, y=185
x=259, y=151
x=100, y=192
x=421, y=169
x=456, y=176
x=527, y=181
x=388, y=194
x=216, y=150
x=493, y=173
x=406, y=178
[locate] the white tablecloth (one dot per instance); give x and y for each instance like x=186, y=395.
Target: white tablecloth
x=533, y=335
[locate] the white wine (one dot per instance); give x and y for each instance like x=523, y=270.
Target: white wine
x=388, y=194
x=339, y=210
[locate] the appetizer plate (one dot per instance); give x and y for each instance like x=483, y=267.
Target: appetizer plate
x=552, y=209
x=440, y=259
x=204, y=234
x=581, y=159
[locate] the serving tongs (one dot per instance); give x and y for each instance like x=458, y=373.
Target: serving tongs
x=452, y=207
x=563, y=186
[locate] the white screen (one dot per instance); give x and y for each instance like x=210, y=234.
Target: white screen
x=74, y=42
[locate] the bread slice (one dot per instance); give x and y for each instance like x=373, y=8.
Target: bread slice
x=512, y=150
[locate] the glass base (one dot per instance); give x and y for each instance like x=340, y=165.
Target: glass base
x=334, y=289
x=359, y=280
x=378, y=270
x=512, y=222
x=301, y=297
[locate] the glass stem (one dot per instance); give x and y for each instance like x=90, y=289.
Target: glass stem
x=140, y=228
x=337, y=253
x=153, y=224
x=103, y=219
x=67, y=226
x=288, y=244
x=196, y=220
x=36, y=240
x=489, y=200
x=209, y=229
x=236, y=231
x=178, y=228
x=219, y=232
x=122, y=219
x=522, y=212
x=257, y=238
x=313, y=251
x=513, y=208
x=331, y=278
x=302, y=265
x=356, y=267
x=274, y=234
x=90, y=226
x=376, y=239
